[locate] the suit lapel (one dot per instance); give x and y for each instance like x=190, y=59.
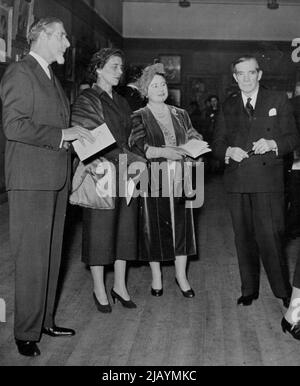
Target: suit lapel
x=65, y=103
x=261, y=102
x=239, y=113
x=47, y=82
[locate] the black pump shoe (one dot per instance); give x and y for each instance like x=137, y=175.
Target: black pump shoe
x=125, y=303
x=56, y=331
x=157, y=292
x=247, y=300
x=28, y=348
x=105, y=308
x=294, y=330
x=187, y=294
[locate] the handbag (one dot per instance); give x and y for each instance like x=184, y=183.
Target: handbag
x=87, y=185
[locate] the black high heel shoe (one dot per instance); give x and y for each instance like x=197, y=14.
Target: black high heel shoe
x=125, y=303
x=105, y=308
x=187, y=294
x=157, y=293
x=293, y=330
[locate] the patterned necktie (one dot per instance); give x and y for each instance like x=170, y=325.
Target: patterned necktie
x=249, y=108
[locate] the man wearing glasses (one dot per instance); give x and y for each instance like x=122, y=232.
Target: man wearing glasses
x=36, y=126
x=254, y=131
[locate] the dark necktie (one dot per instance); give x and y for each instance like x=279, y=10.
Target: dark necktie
x=249, y=108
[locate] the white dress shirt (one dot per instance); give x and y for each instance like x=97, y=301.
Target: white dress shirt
x=253, y=98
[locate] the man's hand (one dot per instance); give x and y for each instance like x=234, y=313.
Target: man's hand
x=77, y=132
x=264, y=146
x=236, y=153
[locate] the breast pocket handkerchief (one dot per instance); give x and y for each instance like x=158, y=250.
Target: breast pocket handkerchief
x=272, y=112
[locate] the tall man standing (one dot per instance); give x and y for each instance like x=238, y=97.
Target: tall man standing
x=37, y=167
x=254, y=131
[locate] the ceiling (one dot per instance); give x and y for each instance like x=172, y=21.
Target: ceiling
x=240, y=2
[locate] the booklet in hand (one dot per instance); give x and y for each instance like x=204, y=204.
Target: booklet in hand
x=194, y=148
x=103, y=139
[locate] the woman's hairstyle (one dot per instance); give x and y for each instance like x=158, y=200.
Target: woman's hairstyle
x=41, y=25
x=99, y=60
x=147, y=76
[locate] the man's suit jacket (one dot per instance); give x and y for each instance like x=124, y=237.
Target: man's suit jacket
x=34, y=114
x=273, y=119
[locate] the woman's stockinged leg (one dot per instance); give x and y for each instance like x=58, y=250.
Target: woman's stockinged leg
x=156, y=275
x=120, y=279
x=99, y=286
x=180, y=269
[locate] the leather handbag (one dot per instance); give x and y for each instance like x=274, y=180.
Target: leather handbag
x=87, y=185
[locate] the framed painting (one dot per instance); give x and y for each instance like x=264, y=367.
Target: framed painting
x=172, y=64
x=6, y=20
x=23, y=18
x=278, y=83
x=200, y=87
x=174, y=98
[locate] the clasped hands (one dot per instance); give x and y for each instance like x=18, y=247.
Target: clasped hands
x=260, y=147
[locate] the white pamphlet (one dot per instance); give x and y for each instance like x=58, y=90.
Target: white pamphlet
x=194, y=148
x=103, y=139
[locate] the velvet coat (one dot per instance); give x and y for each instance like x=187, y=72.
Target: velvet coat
x=156, y=231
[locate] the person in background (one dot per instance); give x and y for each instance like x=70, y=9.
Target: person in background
x=254, y=131
x=38, y=164
x=293, y=216
x=109, y=235
x=167, y=228
x=195, y=116
x=131, y=92
x=211, y=115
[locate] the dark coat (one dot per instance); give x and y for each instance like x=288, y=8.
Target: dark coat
x=108, y=234
x=33, y=128
x=273, y=119
x=156, y=232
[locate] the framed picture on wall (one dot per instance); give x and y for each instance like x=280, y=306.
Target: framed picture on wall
x=6, y=19
x=23, y=18
x=174, y=98
x=200, y=87
x=172, y=64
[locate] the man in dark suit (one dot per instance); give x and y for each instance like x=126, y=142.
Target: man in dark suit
x=37, y=168
x=255, y=129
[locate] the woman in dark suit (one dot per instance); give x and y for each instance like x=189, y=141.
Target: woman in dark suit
x=109, y=235
x=168, y=226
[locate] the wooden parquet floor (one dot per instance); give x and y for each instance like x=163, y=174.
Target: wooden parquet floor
x=208, y=330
